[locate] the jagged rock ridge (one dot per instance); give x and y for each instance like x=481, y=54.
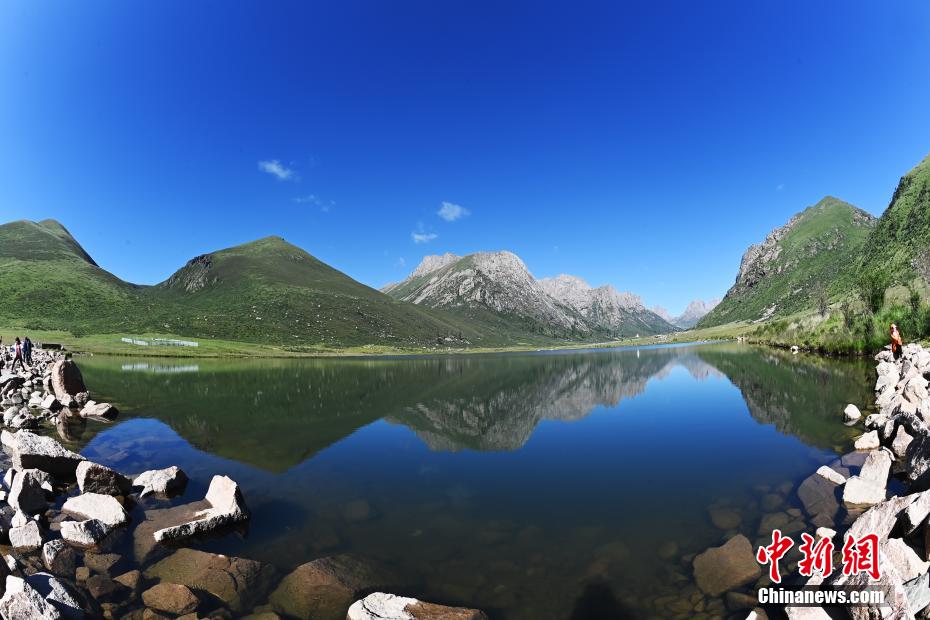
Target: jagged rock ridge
x=500, y=283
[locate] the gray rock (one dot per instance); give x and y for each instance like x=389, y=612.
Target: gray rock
x=381, y=606
x=66, y=379
x=851, y=413
x=57, y=594
x=30, y=451
x=99, y=410
x=818, y=496
x=51, y=403
x=27, y=494
x=918, y=592
x=22, y=602
x=881, y=518
x=900, y=443
x=868, y=441
x=227, y=507
x=27, y=537
x=727, y=567
x=860, y=493
x=905, y=560
x=876, y=468
x=59, y=558
x=96, y=506
x=160, y=481
x=87, y=533
x=916, y=514
x=238, y=582
x=95, y=478
x=831, y=474
x=324, y=589
x=171, y=598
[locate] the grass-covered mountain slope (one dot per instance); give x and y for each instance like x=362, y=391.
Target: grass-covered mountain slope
x=815, y=254
x=265, y=291
x=48, y=281
x=899, y=247
x=272, y=289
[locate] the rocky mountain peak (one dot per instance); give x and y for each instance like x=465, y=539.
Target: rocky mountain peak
x=434, y=262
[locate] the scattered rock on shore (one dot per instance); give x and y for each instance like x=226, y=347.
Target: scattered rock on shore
x=238, y=582
x=381, y=606
x=729, y=566
x=324, y=589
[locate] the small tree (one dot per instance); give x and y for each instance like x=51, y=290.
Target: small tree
x=849, y=315
x=915, y=302
x=821, y=297
x=872, y=285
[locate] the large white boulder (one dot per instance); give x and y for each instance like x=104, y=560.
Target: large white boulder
x=103, y=508
x=227, y=507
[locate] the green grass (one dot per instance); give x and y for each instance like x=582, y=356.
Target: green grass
x=899, y=247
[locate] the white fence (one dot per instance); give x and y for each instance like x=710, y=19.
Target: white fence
x=160, y=342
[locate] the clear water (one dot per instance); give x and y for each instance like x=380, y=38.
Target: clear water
x=551, y=485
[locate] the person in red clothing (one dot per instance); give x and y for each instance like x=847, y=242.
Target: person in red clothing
x=17, y=355
x=896, y=342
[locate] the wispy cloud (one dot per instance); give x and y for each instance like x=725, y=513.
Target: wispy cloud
x=275, y=168
x=422, y=234
x=312, y=199
x=449, y=211
x=779, y=187
x=401, y=262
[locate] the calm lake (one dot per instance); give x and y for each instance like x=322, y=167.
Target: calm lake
x=551, y=485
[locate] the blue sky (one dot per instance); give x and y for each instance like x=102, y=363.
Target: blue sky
x=640, y=144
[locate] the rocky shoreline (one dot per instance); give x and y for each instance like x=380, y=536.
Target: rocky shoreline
x=80, y=540
x=882, y=488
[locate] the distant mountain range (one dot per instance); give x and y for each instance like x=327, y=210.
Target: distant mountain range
x=274, y=292
x=695, y=311
x=496, y=287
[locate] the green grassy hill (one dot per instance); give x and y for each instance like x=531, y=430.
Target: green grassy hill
x=899, y=247
x=48, y=281
x=266, y=291
x=270, y=289
x=819, y=247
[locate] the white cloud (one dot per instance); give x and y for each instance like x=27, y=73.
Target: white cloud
x=275, y=168
x=401, y=262
x=313, y=199
x=449, y=211
x=422, y=237
x=779, y=187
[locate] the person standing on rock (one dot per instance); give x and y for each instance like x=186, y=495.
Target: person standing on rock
x=27, y=351
x=17, y=355
x=896, y=342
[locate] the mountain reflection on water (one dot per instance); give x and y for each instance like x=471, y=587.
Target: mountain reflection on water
x=237, y=409
x=540, y=485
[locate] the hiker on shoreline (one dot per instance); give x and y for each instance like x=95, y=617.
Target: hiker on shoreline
x=27, y=351
x=17, y=355
x=896, y=342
